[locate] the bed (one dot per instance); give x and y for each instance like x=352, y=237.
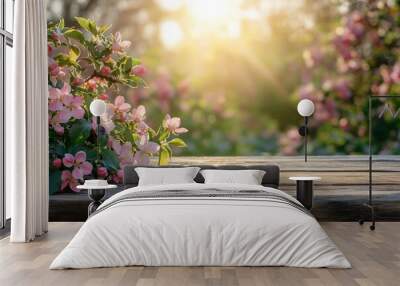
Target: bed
x=197, y=224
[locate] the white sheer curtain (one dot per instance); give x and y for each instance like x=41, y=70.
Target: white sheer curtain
x=27, y=124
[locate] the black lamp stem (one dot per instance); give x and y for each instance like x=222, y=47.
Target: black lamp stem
x=305, y=137
x=98, y=142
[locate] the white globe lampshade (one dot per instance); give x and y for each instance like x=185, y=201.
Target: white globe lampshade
x=98, y=107
x=305, y=108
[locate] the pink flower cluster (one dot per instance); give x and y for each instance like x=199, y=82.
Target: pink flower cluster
x=56, y=72
x=121, y=111
x=346, y=38
x=389, y=76
x=173, y=124
x=63, y=106
x=77, y=166
x=119, y=46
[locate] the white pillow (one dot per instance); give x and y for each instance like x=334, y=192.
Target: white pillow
x=248, y=177
x=166, y=176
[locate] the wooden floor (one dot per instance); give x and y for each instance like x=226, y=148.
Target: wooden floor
x=375, y=257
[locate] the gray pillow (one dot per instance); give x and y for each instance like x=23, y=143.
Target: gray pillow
x=247, y=177
x=166, y=176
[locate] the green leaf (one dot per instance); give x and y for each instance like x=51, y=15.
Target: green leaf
x=134, y=81
x=54, y=181
x=164, y=157
x=83, y=22
x=164, y=135
x=75, y=34
x=177, y=142
x=128, y=65
x=104, y=28
x=110, y=159
x=93, y=28
x=60, y=149
x=61, y=24
x=91, y=154
x=64, y=60
x=79, y=132
x=74, y=53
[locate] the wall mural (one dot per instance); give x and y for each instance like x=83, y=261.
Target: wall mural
x=231, y=71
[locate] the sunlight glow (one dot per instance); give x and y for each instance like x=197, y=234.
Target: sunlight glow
x=214, y=19
x=170, y=5
x=170, y=34
x=212, y=11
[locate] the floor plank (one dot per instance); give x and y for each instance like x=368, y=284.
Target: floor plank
x=375, y=257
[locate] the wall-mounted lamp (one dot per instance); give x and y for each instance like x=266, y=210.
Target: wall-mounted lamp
x=98, y=108
x=305, y=108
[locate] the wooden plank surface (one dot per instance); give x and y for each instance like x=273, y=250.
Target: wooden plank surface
x=334, y=170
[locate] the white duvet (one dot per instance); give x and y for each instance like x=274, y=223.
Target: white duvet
x=200, y=231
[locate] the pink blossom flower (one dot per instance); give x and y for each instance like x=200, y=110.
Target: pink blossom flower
x=102, y=172
x=72, y=108
x=308, y=91
x=147, y=146
x=142, y=128
x=92, y=84
x=381, y=89
x=68, y=180
x=385, y=74
x=106, y=120
x=139, y=70
x=54, y=69
x=355, y=24
x=57, y=163
x=138, y=114
x=343, y=90
x=325, y=111
x=141, y=158
x=120, y=108
x=120, y=105
x=118, y=177
x=103, y=96
x=146, y=149
x=55, y=122
x=80, y=166
x=105, y=71
x=77, y=81
x=118, y=45
x=173, y=124
x=124, y=152
x=58, y=36
x=395, y=74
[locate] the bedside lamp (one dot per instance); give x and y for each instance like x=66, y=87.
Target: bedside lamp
x=98, y=108
x=305, y=108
